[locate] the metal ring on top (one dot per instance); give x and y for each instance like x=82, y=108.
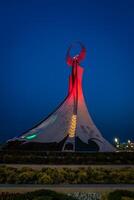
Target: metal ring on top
x=78, y=57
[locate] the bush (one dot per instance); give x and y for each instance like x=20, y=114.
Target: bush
x=66, y=175
x=51, y=195
x=26, y=177
x=118, y=194
x=45, y=179
x=44, y=157
x=36, y=195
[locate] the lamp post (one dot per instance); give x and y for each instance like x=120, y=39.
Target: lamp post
x=116, y=141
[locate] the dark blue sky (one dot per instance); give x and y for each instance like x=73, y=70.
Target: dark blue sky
x=34, y=37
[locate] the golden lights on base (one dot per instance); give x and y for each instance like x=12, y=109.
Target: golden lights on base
x=72, y=127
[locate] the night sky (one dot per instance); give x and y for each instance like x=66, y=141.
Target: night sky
x=34, y=37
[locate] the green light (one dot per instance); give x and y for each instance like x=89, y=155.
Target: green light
x=31, y=136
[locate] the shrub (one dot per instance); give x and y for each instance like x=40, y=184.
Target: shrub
x=36, y=195
x=44, y=157
x=26, y=177
x=118, y=194
x=66, y=175
x=45, y=179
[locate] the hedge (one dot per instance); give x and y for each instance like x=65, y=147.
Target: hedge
x=51, y=195
x=36, y=195
x=119, y=194
x=39, y=157
x=26, y=175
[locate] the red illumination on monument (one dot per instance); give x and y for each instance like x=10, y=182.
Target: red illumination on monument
x=70, y=126
x=75, y=79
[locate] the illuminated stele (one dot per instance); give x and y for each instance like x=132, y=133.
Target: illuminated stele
x=69, y=127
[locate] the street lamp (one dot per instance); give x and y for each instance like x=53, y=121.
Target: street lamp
x=116, y=140
x=128, y=141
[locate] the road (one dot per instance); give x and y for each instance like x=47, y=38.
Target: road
x=65, y=188
x=38, y=167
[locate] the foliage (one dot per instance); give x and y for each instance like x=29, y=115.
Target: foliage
x=36, y=195
x=119, y=194
x=51, y=195
x=84, y=175
x=43, y=157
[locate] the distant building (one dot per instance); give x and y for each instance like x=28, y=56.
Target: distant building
x=125, y=146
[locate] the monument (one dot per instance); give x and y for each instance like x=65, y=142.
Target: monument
x=69, y=127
